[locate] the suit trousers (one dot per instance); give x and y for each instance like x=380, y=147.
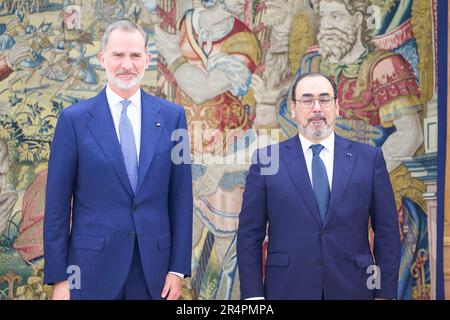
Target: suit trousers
x=135, y=287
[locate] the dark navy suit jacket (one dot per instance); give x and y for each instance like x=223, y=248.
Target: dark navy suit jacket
x=86, y=173
x=308, y=259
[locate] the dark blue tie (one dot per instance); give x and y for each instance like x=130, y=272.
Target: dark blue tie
x=128, y=145
x=320, y=183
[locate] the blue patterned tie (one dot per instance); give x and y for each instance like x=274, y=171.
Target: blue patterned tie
x=320, y=183
x=128, y=145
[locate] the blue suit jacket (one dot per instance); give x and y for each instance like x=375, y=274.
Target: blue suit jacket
x=307, y=258
x=86, y=173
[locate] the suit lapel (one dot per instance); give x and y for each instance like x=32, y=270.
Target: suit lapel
x=344, y=160
x=295, y=162
x=151, y=126
x=102, y=128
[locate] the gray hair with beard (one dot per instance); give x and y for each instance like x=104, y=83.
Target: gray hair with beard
x=353, y=6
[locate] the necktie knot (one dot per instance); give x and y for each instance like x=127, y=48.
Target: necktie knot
x=125, y=104
x=316, y=149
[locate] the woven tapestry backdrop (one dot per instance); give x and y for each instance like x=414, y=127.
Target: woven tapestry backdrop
x=230, y=64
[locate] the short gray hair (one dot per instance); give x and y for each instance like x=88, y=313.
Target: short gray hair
x=124, y=25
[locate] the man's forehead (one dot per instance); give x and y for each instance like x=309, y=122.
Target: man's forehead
x=310, y=94
x=126, y=37
x=127, y=50
x=314, y=85
x=129, y=47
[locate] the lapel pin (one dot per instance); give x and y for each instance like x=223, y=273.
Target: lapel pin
x=158, y=124
x=349, y=154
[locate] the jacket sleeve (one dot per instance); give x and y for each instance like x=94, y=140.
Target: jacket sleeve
x=62, y=169
x=251, y=234
x=180, y=205
x=385, y=225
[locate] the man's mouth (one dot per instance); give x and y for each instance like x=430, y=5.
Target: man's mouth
x=317, y=120
x=126, y=75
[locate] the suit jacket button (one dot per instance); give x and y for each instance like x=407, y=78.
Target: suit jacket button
x=322, y=232
x=319, y=262
x=135, y=208
x=132, y=235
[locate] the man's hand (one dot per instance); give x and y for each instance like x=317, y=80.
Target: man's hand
x=172, y=287
x=61, y=291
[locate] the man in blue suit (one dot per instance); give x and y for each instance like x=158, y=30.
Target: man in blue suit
x=129, y=235
x=317, y=207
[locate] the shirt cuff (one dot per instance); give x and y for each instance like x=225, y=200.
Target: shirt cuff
x=177, y=274
x=255, y=298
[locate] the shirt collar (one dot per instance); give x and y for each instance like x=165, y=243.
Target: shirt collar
x=328, y=143
x=114, y=99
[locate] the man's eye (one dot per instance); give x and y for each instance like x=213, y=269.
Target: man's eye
x=325, y=100
x=307, y=101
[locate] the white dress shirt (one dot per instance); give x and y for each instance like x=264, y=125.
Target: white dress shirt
x=327, y=155
x=134, y=111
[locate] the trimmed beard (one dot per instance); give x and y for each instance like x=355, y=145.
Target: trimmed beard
x=317, y=134
x=125, y=85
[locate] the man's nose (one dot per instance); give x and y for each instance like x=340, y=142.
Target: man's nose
x=316, y=106
x=127, y=63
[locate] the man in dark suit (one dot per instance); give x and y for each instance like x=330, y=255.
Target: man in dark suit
x=317, y=207
x=111, y=163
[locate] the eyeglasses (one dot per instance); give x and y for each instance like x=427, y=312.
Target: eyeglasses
x=308, y=102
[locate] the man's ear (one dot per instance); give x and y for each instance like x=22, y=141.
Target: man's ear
x=101, y=58
x=148, y=57
x=337, y=106
x=293, y=109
